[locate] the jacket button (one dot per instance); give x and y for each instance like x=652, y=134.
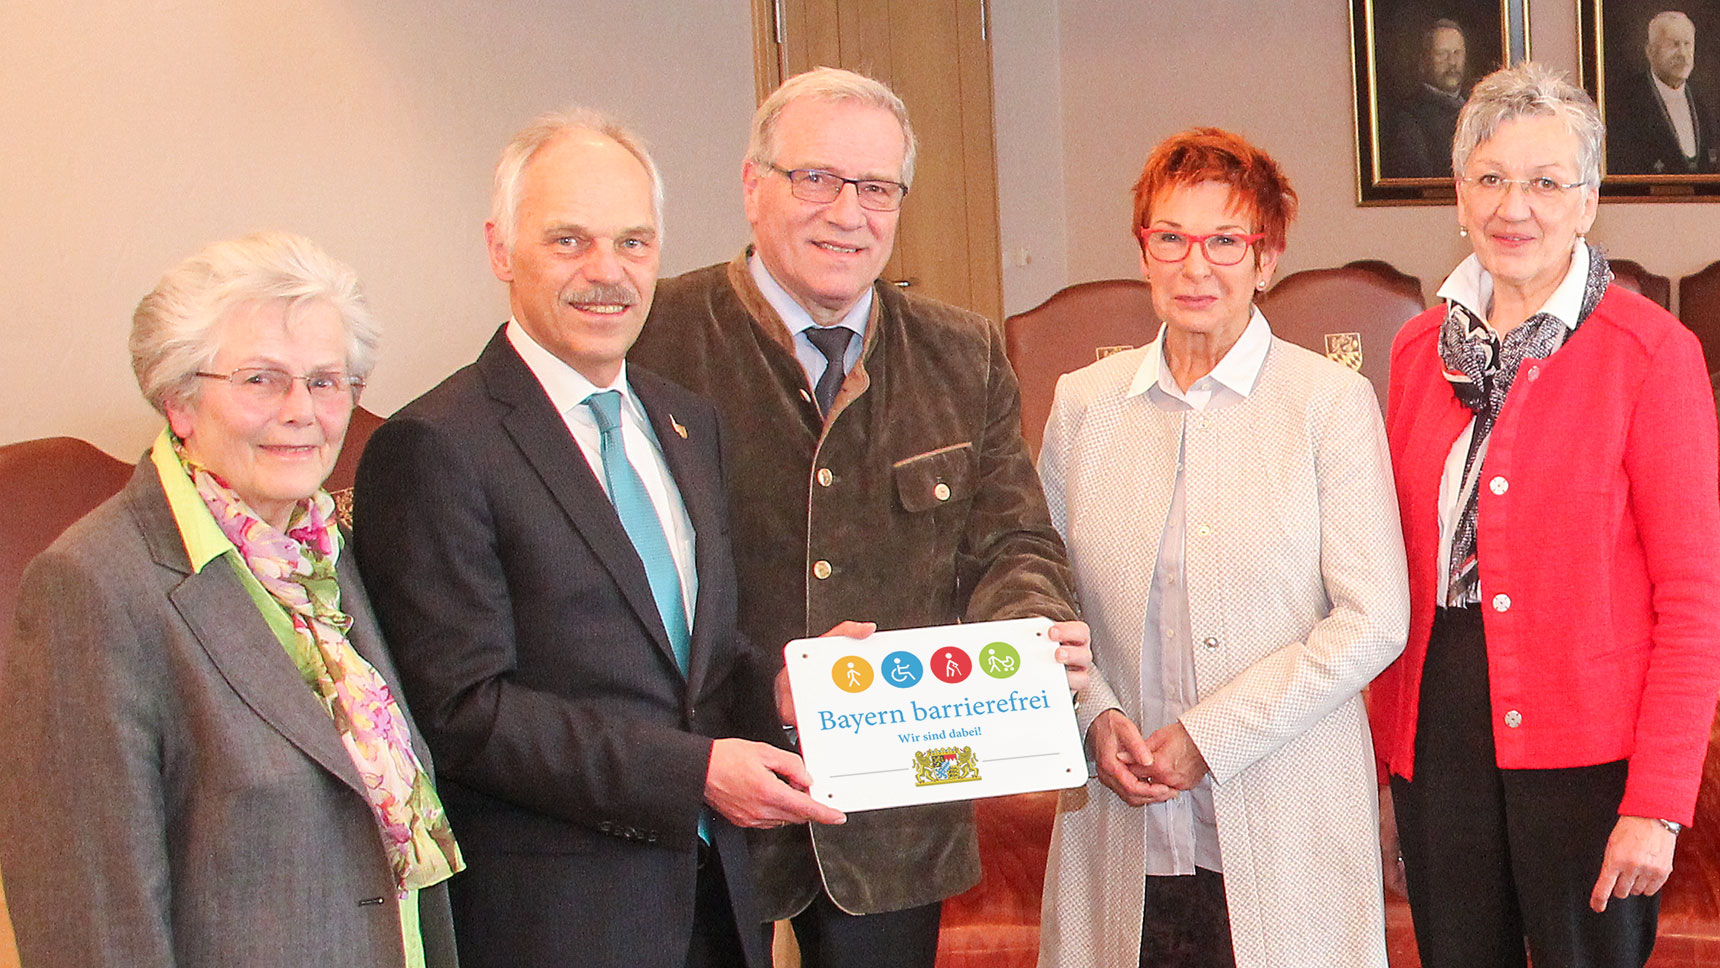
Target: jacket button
x=1501, y=603
x=825, y=477
x=1203, y=530
x=1499, y=485
x=941, y=492
x=1211, y=642
x=1534, y=373
x=1513, y=718
x=821, y=569
x=805, y=396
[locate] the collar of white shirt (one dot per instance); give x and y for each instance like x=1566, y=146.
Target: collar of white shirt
x=566, y=386
x=1471, y=287
x=1679, y=96
x=1237, y=371
x=793, y=314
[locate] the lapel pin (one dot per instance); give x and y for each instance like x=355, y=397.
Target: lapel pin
x=677, y=425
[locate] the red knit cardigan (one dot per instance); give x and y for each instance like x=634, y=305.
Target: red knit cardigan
x=1598, y=533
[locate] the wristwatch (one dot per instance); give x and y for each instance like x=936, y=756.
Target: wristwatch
x=1672, y=828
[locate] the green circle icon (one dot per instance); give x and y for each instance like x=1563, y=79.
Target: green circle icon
x=999, y=660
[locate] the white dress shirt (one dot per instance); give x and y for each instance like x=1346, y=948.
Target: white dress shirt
x=1471, y=287
x=1183, y=833
x=1677, y=104
x=567, y=389
x=798, y=321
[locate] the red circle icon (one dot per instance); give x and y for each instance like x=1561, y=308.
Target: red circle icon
x=950, y=664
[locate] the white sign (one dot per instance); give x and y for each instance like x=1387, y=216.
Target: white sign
x=953, y=712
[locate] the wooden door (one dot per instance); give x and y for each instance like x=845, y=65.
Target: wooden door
x=936, y=55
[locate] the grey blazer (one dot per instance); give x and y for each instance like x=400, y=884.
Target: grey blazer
x=172, y=793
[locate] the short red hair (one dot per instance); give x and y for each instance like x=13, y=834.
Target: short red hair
x=1211, y=154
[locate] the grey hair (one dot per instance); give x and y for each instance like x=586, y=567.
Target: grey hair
x=511, y=167
x=1659, y=22
x=1530, y=90
x=828, y=84
x=173, y=331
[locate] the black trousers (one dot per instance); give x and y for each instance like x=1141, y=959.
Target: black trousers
x=830, y=937
x=1496, y=858
x=1185, y=922
x=716, y=941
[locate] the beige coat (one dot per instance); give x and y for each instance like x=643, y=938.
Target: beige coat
x=1297, y=598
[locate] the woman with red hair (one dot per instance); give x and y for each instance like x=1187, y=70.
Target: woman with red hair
x=1227, y=502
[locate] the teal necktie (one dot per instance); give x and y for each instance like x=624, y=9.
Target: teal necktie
x=639, y=516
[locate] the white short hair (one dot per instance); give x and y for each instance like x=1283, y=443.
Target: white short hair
x=1530, y=90
x=511, y=167
x=173, y=329
x=828, y=84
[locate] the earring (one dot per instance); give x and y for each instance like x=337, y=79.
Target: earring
x=1261, y=285
x=1463, y=231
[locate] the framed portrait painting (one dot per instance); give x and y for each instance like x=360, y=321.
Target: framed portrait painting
x=1653, y=68
x=1414, y=64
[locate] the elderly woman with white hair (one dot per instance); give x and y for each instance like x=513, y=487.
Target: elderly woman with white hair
x=1553, y=442
x=206, y=763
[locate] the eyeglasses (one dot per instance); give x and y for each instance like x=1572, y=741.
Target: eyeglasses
x=1492, y=187
x=262, y=384
x=824, y=187
x=1220, y=248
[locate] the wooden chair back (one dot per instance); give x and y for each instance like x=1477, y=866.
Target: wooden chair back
x=1634, y=277
x=1075, y=327
x=1699, y=308
x=1347, y=314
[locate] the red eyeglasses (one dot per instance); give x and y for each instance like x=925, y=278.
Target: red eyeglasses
x=1220, y=248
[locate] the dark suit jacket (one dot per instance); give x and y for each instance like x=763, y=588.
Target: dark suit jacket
x=574, y=751
x=1418, y=135
x=172, y=794
x=1640, y=137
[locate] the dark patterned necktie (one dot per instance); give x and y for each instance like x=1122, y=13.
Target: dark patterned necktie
x=832, y=341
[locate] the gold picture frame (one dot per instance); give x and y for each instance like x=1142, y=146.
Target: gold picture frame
x=1408, y=91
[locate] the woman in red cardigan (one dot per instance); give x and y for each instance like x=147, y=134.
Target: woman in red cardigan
x=1553, y=441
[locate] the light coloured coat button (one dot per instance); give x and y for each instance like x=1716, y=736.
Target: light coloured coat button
x=1499, y=485
x=1501, y=603
x=941, y=492
x=825, y=477
x=1211, y=642
x=1203, y=530
x=821, y=569
x=805, y=396
x=1513, y=718
x=1534, y=373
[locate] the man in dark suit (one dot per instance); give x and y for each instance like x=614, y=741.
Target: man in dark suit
x=1656, y=123
x=546, y=538
x=1419, y=133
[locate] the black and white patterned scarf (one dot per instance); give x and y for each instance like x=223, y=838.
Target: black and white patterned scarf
x=1481, y=366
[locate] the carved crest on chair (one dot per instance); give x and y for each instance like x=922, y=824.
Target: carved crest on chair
x=1345, y=348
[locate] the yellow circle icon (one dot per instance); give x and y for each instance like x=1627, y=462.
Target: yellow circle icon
x=851, y=673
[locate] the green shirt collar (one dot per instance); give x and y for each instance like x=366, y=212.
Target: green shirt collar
x=204, y=541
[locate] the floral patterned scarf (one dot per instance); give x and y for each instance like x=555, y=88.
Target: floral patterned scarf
x=297, y=569
x=1481, y=367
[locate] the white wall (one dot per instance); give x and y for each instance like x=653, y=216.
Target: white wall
x=137, y=130
x=134, y=131
x=1132, y=74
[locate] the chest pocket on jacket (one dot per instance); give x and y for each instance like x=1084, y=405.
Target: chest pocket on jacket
x=935, y=478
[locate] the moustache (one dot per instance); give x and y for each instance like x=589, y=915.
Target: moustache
x=610, y=294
